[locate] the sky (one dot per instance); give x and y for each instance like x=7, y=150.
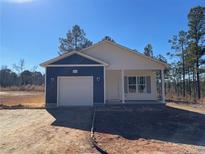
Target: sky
x=30, y=29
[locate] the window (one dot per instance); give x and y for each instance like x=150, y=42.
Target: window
x=132, y=84
x=141, y=82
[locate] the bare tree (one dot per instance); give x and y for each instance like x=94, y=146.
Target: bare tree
x=20, y=68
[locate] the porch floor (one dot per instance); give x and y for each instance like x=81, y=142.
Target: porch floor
x=130, y=106
x=134, y=102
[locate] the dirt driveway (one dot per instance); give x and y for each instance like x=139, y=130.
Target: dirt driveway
x=41, y=131
x=149, y=130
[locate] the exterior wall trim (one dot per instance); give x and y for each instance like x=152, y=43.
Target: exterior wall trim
x=163, y=88
x=45, y=87
x=127, y=49
x=136, y=52
x=75, y=65
x=123, y=90
x=69, y=54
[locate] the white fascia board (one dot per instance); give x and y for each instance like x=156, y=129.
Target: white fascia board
x=69, y=54
x=136, y=52
x=75, y=65
x=97, y=60
x=44, y=64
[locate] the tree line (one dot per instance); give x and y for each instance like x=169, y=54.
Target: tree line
x=21, y=76
x=186, y=75
x=188, y=47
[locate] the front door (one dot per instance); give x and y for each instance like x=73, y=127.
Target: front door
x=113, y=85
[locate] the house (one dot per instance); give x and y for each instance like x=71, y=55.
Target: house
x=103, y=73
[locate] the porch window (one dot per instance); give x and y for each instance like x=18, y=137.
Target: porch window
x=137, y=84
x=141, y=83
x=132, y=84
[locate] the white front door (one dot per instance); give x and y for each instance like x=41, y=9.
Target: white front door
x=74, y=91
x=113, y=85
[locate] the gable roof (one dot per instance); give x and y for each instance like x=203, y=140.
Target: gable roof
x=56, y=59
x=81, y=53
x=128, y=49
x=75, y=59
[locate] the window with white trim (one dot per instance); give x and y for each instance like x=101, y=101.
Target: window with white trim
x=137, y=84
x=141, y=84
x=132, y=84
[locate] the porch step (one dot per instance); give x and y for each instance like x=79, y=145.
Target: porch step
x=129, y=107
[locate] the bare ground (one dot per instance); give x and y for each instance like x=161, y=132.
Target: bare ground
x=148, y=130
x=23, y=98
x=192, y=107
x=41, y=131
x=178, y=128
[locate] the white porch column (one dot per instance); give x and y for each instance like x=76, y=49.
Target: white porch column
x=163, y=90
x=104, y=70
x=123, y=90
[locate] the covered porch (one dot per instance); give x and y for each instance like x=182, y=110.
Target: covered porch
x=134, y=86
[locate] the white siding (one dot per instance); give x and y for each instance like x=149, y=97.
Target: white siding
x=114, y=85
x=143, y=96
x=120, y=58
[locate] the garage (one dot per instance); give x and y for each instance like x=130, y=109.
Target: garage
x=75, y=91
x=74, y=79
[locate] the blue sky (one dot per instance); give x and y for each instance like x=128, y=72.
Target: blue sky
x=30, y=29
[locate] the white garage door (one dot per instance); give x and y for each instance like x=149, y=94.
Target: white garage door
x=75, y=91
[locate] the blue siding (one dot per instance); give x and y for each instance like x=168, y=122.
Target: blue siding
x=75, y=59
x=53, y=72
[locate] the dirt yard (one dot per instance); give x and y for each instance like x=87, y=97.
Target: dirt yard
x=40, y=131
x=23, y=98
x=175, y=129
x=148, y=130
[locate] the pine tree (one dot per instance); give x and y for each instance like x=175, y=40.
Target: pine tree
x=75, y=40
x=196, y=22
x=179, y=43
x=148, y=50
